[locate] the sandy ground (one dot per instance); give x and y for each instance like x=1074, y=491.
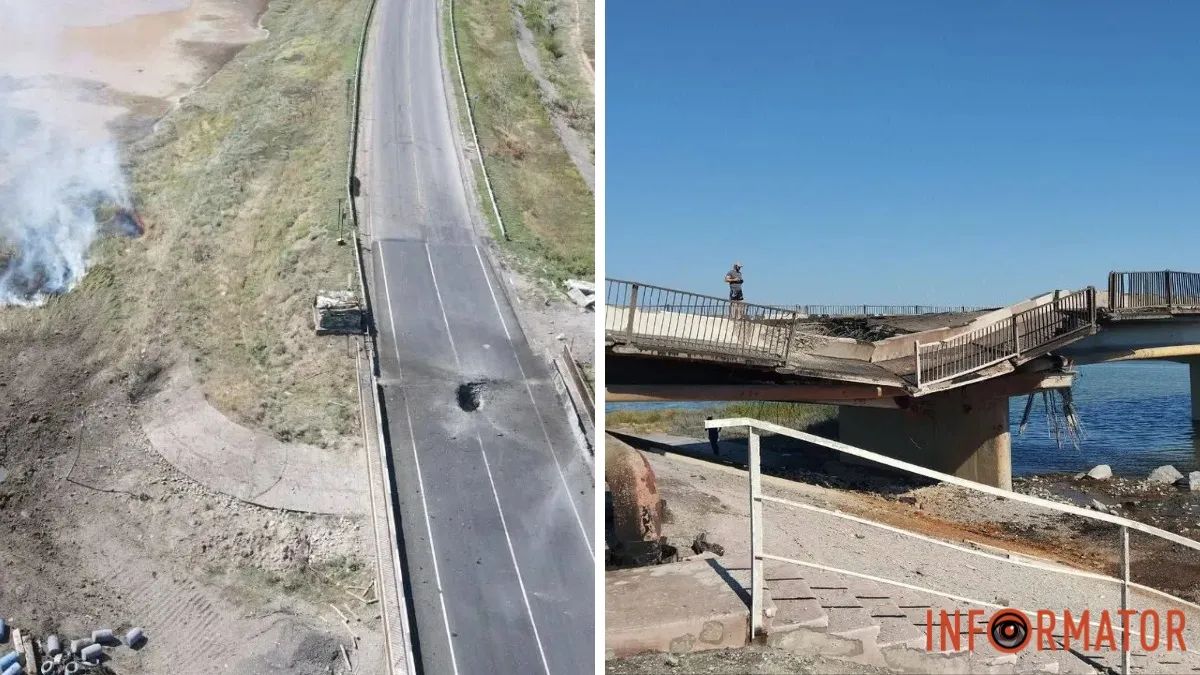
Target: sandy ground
x=550, y=321
x=116, y=66
x=100, y=530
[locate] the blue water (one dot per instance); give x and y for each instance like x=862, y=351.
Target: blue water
x=1135, y=416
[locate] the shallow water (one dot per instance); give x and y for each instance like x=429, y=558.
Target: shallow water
x=82, y=65
x=1135, y=416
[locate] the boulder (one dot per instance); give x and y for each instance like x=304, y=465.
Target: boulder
x=1193, y=481
x=1164, y=474
x=1100, y=472
x=1098, y=505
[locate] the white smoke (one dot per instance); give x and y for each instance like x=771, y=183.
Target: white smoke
x=56, y=175
x=52, y=186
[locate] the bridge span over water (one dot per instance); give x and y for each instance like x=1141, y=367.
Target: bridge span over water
x=925, y=384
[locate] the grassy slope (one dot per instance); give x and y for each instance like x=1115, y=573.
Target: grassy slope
x=549, y=212
x=561, y=57
x=239, y=190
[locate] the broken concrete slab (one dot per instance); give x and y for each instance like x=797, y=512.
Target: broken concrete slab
x=582, y=299
x=677, y=608
x=587, y=287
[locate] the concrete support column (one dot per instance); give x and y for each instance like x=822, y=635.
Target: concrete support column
x=1194, y=371
x=958, y=432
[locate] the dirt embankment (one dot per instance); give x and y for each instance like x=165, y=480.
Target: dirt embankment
x=238, y=187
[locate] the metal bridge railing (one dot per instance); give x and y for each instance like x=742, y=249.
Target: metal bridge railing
x=662, y=317
x=758, y=528
x=1166, y=289
x=880, y=310
x=1028, y=333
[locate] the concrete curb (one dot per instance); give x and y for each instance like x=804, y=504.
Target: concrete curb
x=579, y=409
x=409, y=667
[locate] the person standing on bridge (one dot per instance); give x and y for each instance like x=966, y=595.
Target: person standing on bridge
x=734, y=278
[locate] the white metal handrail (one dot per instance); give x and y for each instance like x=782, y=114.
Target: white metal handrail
x=756, y=519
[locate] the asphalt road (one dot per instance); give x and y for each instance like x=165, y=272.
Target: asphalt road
x=495, y=504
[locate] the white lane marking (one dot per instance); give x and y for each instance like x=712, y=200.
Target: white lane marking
x=587, y=542
x=408, y=109
x=512, y=554
x=504, y=526
x=442, y=306
x=437, y=577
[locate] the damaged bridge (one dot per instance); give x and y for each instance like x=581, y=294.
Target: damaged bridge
x=924, y=384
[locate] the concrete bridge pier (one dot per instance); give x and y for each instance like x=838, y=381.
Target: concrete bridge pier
x=960, y=432
x=1194, y=373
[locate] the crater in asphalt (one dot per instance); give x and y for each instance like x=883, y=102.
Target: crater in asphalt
x=470, y=396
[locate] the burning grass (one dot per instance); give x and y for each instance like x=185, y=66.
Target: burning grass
x=241, y=186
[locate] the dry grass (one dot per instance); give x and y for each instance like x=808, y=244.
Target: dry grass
x=547, y=207
x=817, y=419
x=565, y=32
x=239, y=191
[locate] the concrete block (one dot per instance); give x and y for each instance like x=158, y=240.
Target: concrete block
x=676, y=608
x=338, y=313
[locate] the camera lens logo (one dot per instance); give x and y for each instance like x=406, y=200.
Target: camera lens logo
x=1008, y=631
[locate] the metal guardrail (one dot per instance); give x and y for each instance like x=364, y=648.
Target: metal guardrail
x=672, y=319
x=1026, y=334
x=1166, y=289
x=757, y=528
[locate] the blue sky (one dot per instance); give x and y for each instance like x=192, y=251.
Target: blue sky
x=901, y=152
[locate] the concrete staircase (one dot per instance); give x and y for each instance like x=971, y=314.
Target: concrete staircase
x=839, y=616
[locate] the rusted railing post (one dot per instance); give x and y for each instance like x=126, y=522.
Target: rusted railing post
x=791, y=336
x=633, y=295
x=1167, y=274
x=1124, y=598
x=917, y=355
x=1016, y=336
x=756, y=537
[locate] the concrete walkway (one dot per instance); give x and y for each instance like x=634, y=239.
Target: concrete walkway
x=705, y=497
x=250, y=465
